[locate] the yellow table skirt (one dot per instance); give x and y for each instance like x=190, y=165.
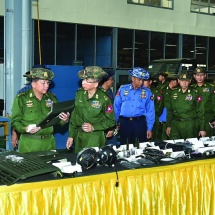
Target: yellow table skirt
x=185, y=188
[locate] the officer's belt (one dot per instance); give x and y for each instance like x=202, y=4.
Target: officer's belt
x=132, y=118
x=37, y=136
x=184, y=119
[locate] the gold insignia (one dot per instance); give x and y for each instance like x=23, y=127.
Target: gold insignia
x=184, y=76
x=31, y=95
x=198, y=70
x=45, y=74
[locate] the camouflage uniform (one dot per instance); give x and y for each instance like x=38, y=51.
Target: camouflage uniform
x=206, y=94
x=27, y=109
x=185, y=114
x=97, y=110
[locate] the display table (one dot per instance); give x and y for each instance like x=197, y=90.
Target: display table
x=185, y=188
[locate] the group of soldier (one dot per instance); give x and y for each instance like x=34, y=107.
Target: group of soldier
x=184, y=105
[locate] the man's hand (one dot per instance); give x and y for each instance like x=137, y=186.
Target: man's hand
x=64, y=116
x=202, y=134
x=168, y=130
x=87, y=127
x=109, y=134
x=14, y=139
x=149, y=134
x=69, y=142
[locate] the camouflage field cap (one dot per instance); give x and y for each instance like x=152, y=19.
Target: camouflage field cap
x=165, y=74
x=92, y=72
x=185, y=76
x=172, y=77
x=199, y=70
x=138, y=72
x=39, y=73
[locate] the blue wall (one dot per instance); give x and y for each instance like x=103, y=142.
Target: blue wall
x=64, y=86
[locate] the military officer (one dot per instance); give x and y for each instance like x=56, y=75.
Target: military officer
x=31, y=107
x=172, y=80
x=185, y=114
x=93, y=112
x=162, y=78
x=134, y=109
x=159, y=104
x=206, y=92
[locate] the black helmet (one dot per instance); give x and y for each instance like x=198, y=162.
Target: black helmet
x=87, y=158
x=107, y=155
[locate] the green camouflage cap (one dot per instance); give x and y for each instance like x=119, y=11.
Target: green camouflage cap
x=171, y=77
x=199, y=70
x=185, y=76
x=91, y=72
x=40, y=73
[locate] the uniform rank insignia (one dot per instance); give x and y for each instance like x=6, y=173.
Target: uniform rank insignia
x=29, y=103
x=109, y=109
x=96, y=104
x=49, y=103
x=199, y=98
x=143, y=94
x=189, y=97
x=125, y=92
x=206, y=90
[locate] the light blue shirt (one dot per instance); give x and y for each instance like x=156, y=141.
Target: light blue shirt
x=129, y=102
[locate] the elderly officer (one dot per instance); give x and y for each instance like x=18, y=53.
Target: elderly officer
x=31, y=107
x=185, y=114
x=206, y=92
x=134, y=109
x=93, y=113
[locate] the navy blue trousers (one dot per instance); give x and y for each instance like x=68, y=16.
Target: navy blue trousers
x=133, y=131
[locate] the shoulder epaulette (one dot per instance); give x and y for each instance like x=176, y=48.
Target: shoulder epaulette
x=21, y=94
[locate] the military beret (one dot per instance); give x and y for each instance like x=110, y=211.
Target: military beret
x=39, y=73
x=139, y=73
x=185, y=76
x=199, y=70
x=171, y=77
x=92, y=72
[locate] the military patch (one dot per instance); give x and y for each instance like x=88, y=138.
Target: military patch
x=206, y=90
x=199, y=98
x=125, y=92
x=109, y=109
x=159, y=98
x=49, y=103
x=29, y=103
x=189, y=97
x=143, y=94
x=96, y=104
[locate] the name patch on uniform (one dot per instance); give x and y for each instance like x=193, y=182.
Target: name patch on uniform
x=49, y=103
x=189, y=97
x=109, y=109
x=29, y=103
x=96, y=104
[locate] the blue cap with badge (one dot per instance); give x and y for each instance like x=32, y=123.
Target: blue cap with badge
x=139, y=72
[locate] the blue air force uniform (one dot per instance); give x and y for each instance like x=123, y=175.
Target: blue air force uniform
x=134, y=110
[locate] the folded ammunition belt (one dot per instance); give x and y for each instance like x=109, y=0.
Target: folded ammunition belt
x=184, y=119
x=37, y=136
x=133, y=118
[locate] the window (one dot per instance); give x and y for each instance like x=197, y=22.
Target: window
x=154, y=3
x=203, y=6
